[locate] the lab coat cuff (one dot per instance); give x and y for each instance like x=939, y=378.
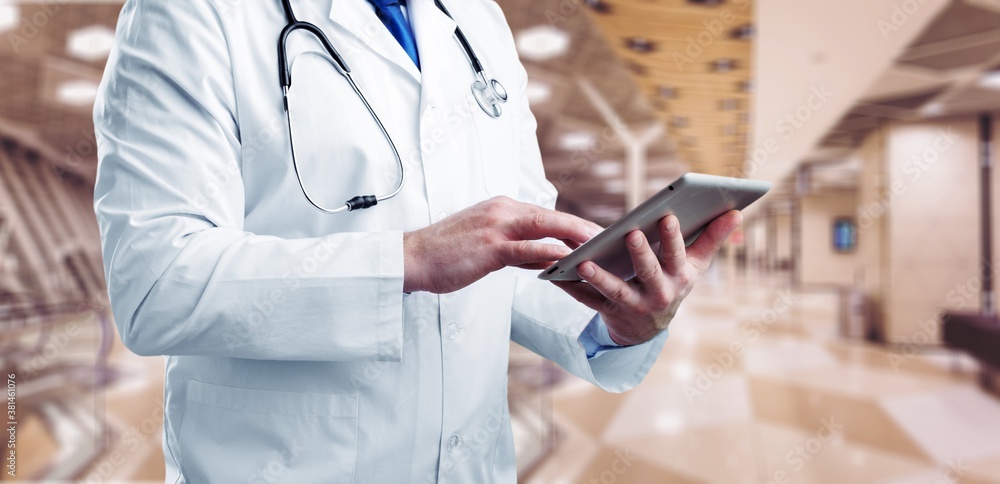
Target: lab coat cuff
x=389, y=326
x=618, y=369
x=596, y=339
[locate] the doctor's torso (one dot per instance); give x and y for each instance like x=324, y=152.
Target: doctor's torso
x=440, y=413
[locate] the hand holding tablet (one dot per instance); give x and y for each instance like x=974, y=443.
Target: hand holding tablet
x=695, y=199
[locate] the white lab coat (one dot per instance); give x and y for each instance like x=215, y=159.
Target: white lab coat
x=293, y=354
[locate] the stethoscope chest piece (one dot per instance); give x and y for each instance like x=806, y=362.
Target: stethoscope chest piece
x=490, y=95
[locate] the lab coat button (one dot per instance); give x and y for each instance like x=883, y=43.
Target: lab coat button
x=454, y=443
x=441, y=215
x=455, y=330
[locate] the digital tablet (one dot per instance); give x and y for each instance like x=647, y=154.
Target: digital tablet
x=695, y=199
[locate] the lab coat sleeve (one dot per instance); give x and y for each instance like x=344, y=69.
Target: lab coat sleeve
x=548, y=321
x=184, y=278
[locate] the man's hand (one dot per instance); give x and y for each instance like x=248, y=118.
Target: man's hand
x=637, y=310
x=499, y=232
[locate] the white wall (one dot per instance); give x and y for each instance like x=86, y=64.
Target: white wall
x=800, y=33
x=931, y=224
x=819, y=262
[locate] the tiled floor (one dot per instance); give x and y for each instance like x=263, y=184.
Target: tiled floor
x=754, y=386
x=133, y=413
x=781, y=401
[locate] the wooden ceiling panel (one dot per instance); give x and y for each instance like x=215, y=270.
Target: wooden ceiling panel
x=700, y=53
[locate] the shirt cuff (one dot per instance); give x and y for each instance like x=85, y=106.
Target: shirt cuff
x=596, y=339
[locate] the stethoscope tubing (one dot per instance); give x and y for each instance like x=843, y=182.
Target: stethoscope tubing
x=385, y=133
x=489, y=94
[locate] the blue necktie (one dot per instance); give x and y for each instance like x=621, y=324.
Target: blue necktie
x=391, y=15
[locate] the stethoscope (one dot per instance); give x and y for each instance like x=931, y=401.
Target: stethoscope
x=489, y=94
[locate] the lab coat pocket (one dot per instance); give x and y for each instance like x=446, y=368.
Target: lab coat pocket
x=498, y=149
x=231, y=434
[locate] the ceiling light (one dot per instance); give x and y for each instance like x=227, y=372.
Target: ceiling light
x=680, y=121
x=542, y=43
x=90, y=43
x=599, y=6
x=657, y=184
x=577, y=141
x=706, y=2
x=606, y=212
x=77, y=93
x=729, y=104
x=667, y=92
x=744, y=86
x=743, y=32
x=932, y=109
x=683, y=370
x=538, y=92
x=10, y=15
x=670, y=423
x=608, y=168
x=637, y=69
x=990, y=80
x=615, y=187
x=640, y=44
x=722, y=65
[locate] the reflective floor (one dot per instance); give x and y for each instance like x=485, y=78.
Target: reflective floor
x=130, y=412
x=754, y=386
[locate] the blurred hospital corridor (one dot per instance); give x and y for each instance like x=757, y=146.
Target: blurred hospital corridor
x=848, y=332
x=756, y=386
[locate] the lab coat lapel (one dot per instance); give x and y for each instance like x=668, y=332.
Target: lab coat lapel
x=434, y=32
x=360, y=20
